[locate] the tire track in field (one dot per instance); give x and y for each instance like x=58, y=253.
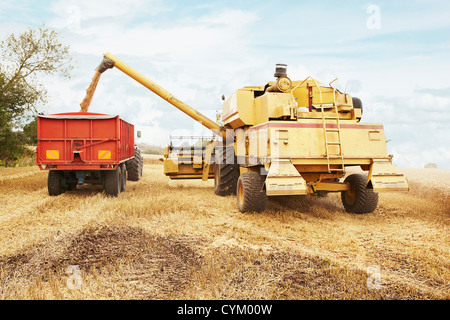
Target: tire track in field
x=398, y=273
x=29, y=215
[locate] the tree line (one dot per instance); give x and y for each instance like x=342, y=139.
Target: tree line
x=26, y=59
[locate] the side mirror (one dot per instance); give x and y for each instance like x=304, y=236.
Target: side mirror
x=139, y=134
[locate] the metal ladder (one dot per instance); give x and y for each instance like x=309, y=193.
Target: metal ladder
x=326, y=130
x=336, y=131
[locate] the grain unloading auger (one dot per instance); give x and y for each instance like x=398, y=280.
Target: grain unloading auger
x=285, y=138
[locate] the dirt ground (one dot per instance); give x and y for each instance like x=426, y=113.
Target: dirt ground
x=163, y=239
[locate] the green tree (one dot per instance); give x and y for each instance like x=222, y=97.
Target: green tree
x=26, y=59
x=30, y=132
x=12, y=144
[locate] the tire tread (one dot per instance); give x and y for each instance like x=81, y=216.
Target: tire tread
x=366, y=200
x=255, y=198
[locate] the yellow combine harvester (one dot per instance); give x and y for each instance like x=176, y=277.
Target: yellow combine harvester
x=285, y=138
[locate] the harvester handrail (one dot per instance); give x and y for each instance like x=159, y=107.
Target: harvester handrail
x=334, y=90
x=332, y=82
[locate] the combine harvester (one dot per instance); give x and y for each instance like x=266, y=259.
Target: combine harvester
x=285, y=138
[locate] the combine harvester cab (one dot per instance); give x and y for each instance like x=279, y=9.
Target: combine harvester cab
x=286, y=138
x=85, y=147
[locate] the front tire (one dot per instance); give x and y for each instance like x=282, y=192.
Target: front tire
x=226, y=174
x=359, y=199
x=251, y=195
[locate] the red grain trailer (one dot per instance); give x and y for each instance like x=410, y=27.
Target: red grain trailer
x=86, y=147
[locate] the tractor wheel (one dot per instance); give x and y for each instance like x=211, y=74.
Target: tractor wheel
x=113, y=182
x=357, y=104
x=141, y=166
x=54, y=183
x=133, y=166
x=359, y=199
x=226, y=174
x=123, y=178
x=251, y=195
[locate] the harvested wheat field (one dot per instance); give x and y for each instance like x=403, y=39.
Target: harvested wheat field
x=163, y=239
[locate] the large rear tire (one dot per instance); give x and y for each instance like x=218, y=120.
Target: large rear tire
x=359, y=199
x=55, y=183
x=251, y=195
x=133, y=166
x=357, y=104
x=226, y=174
x=113, y=182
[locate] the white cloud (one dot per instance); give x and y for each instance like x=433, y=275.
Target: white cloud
x=405, y=157
x=76, y=14
x=417, y=126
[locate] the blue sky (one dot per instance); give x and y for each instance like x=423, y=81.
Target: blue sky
x=394, y=55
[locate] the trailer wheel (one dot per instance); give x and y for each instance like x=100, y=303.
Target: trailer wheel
x=251, y=195
x=123, y=177
x=133, y=166
x=226, y=174
x=54, y=183
x=141, y=167
x=113, y=182
x=359, y=199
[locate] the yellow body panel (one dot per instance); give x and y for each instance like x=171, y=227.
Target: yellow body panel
x=383, y=176
x=274, y=106
x=248, y=106
x=304, y=139
x=234, y=114
x=284, y=179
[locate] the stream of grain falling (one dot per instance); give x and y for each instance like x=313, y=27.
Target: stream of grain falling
x=90, y=92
